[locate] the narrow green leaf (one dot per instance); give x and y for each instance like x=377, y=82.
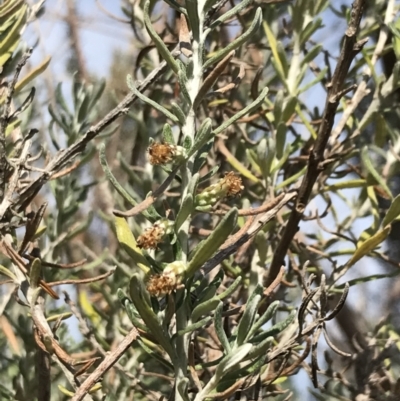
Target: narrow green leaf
x=140, y=300
x=260, y=348
x=254, y=27
x=250, y=108
x=247, y=320
x=178, y=112
x=371, y=169
x=8, y=273
x=32, y=75
x=150, y=102
x=219, y=328
x=185, y=210
x=232, y=360
x=203, y=135
x=393, y=212
x=167, y=135
x=369, y=245
x=111, y=177
x=275, y=330
x=267, y=315
x=210, y=245
x=159, y=43
x=204, y=308
x=231, y=289
x=195, y=326
x=128, y=242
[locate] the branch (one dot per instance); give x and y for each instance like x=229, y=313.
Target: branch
x=104, y=366
x=350, y=49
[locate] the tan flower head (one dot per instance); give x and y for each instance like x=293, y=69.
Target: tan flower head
x=153, y=235
x=161, y=153
x=233, y=183
x=168, y=281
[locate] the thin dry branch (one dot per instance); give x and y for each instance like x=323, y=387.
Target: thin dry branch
x=104, y=366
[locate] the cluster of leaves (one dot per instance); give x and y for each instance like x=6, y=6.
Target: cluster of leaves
x=199, y=268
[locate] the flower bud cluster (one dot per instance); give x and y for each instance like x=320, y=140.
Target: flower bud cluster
x=230, y=185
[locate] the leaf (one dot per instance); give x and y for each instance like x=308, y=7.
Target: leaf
x=167, y=135
x=140, y=300
x=219, y=328
x=203, y=135
x=211, y=244
x=11, y=40
x=111, y=177
x=195, y=326
x=272, y=42
x=371, y=169
x=159, y=43
x=185, y=210
x=369, y=245
x=8, y=273
x=32, y=75
x=248, y=109
x=393, y=212
x=231, y=289
x=204, y=308
x=150, y=102
x=247, y=320
x=267, y=315
x=128, y=242
x=254, y=27
x=275, y=329
x=232, y=360
x=178, y=112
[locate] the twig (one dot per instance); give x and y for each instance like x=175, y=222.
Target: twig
x=350, y=49
x=87, y=333
x=105, y=365
x=258, y=224
x=82, y=281
x=150, y=199
x=4, y=119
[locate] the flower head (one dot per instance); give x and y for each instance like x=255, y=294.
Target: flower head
x=162, y=153
x=168, y=281
x=153, y=235
x=232, y=183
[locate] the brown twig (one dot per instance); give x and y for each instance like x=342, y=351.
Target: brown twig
x=83, y=280
x=350, y=49
x=149, y=200
x=105, y=365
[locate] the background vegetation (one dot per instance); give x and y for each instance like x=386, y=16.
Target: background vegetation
x=193, y=223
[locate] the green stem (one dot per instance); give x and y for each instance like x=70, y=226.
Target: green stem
x=193, y=84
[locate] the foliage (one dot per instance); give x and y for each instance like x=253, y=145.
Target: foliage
x=212, y=223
